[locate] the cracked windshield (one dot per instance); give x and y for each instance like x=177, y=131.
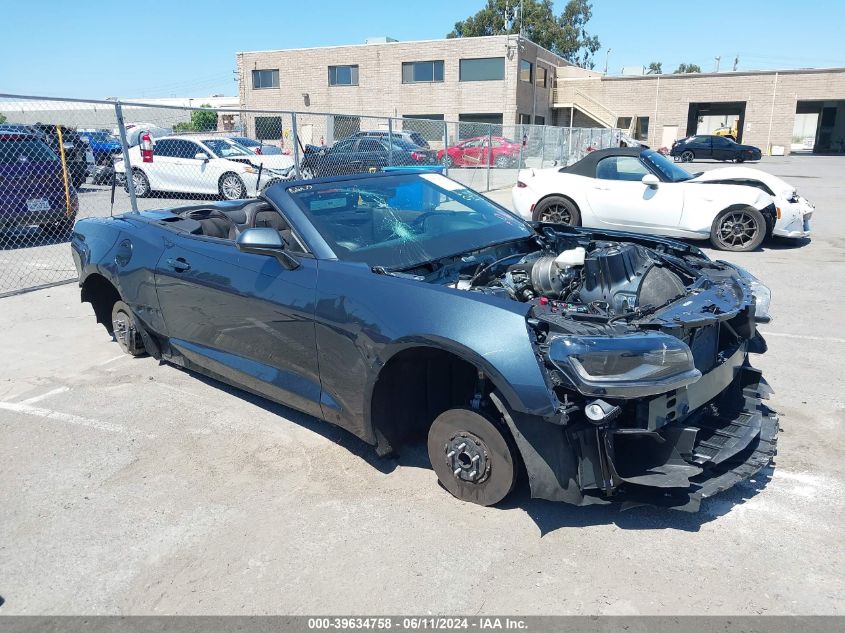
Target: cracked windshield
x=402, y=221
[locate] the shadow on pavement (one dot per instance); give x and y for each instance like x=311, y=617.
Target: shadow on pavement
x=547, y=515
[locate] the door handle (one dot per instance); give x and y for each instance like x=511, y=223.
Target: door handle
x=179, y=265
x=602, y=188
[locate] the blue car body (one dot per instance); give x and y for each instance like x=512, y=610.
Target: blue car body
x=32, y=188
x=379, y=350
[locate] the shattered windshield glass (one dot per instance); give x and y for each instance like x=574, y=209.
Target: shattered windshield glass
x=404, y=220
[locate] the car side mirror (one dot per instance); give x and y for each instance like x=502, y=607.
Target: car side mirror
x=650, y=180
x=201, y=156
x=266, y=241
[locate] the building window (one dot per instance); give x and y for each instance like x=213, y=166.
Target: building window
x=525, y=119
x=482, y=69
x=526, y=69
x=346, y=126
x=542, y=77
x=422, y=72
x=623, y=123
x=429, y=126
x=268, y=128
x=539, y=120
x=641, y=131
x=479, y=124
x=343, y=75
x=265, y=79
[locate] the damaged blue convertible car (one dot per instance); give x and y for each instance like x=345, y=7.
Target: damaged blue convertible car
x=408, y=308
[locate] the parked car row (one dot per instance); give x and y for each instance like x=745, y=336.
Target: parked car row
x=636, y=189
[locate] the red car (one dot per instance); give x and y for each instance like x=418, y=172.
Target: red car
x=476, y=152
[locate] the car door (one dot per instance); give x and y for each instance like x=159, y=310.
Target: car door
x=337, y=159
x=619, y=199
x=371, y=155
x=191, y=174
x=163, y=171
x=702, y=146
x=723, y=148
x=242, y=316
x=472, y=152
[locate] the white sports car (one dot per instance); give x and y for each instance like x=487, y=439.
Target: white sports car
x=793, y=211
x=637, y=189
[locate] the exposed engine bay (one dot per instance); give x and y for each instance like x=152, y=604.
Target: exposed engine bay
x=645, y=345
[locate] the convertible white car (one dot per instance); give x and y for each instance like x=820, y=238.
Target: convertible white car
x=205, y=164
x=793, y=211
x=637, y=189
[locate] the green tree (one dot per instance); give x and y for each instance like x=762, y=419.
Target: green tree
x=201, y=121
x=687, y=68
x=564, y=34
x=2, y=118
x=655, y=68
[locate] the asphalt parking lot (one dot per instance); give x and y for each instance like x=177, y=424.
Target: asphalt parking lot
x=133, y=487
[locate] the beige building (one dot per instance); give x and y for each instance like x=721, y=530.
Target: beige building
x=506, y=79
x=789, y=109
x=499, y=79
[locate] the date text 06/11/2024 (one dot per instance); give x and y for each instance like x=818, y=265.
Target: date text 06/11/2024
x=416, y=623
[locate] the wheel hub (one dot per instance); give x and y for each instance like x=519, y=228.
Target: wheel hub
x=738, y=229
x=557, y=215
x=468, y=458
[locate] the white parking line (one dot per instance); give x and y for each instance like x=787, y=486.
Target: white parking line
x=111, y=360
x=805, y=337
x=46, y=395
x=58, y=416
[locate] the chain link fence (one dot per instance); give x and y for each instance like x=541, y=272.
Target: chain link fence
x=64, y=159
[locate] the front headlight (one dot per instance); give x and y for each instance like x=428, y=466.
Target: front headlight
x=761, y=292
x=631, y=366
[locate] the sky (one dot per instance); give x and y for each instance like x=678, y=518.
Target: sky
x=184, y=48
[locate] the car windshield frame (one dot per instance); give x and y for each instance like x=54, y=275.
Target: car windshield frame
x=208, y=143
x=665, y=168
x=401, y=206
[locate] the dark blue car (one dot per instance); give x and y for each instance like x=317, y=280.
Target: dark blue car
x=407, y=308
x=33, y=191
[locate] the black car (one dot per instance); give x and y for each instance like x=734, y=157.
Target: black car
x=74, y=149
x=356, y=155
x=409, y=309
x=713, y=147
x=412, y=137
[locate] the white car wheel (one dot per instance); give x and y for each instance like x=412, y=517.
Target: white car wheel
x=232, y=187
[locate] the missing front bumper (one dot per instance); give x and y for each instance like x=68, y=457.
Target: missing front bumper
x=721, y=443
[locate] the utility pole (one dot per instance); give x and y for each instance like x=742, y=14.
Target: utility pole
x=718, y=60
x=736, y=61
x=606, y=56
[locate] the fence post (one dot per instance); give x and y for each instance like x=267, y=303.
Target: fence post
x=445, y=147
x=389, y=142
x=489, y=153
x=295, y=131
x=127, y=166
